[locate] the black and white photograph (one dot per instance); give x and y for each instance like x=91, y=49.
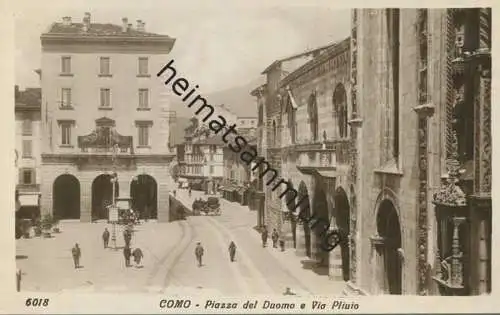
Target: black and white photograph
x=234, y=149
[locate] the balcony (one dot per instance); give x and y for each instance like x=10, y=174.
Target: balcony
x=321, y=159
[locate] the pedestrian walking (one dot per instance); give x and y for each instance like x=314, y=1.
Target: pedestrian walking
x=127, y=237
x=137, y=253
x=199, y=251
x=77, y=253
x=175, y=193
x=18, y=279
x=282, y=243
x=105, y=237
x=126, y=254
x=232, y=250
x=274, y=237
x=264, y=237
x=189, y=193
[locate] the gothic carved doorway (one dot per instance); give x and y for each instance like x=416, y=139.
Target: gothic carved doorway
x=389, y=229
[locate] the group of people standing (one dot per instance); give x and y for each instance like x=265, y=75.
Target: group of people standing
x=127, y=250
x=275, y=237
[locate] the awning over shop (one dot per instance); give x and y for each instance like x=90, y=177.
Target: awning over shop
x=28, y=200
x=228, y=188
x=196, y=181
x=331, y=174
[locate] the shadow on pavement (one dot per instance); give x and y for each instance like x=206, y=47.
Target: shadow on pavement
x=315, y=267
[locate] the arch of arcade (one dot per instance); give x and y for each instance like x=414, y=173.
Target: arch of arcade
x=97, y=170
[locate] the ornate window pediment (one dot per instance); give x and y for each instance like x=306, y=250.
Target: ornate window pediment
x=105, y=137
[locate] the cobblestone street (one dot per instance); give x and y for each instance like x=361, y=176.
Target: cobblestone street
x=169, y=261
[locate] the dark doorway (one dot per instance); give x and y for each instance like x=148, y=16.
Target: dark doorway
x=102, y=192
x=143, y=191
x=320, y=213
x=306, y=210
x=342, y=213
x=389, y=228
x=66, y=197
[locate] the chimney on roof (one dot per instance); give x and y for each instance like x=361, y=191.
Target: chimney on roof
x=124, y=24
x=129, y=26
x=66, y=20
x=140, y=26
x=86, y=22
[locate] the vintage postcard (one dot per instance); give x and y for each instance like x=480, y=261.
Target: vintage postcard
x=248, y=157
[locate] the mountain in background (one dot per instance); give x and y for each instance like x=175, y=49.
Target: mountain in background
x=236, y=99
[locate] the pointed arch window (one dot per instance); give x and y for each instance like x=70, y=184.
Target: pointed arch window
x=313, y=116
x=291, y=119
x=340, y=109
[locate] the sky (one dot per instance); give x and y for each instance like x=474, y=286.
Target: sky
x=219, y=44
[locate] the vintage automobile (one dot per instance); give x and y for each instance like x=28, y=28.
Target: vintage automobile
x=211, y=206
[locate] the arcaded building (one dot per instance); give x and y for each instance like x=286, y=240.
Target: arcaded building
x=307, y=141
x=421, y=129
x=104, y=112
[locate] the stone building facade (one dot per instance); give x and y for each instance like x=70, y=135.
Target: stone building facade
x=421, y=179
x=28, y=153
x=376, y=131
x=259, y=200
x=306, y=141
x=104, y=114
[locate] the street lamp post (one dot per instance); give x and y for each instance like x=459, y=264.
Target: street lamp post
x=114, y=179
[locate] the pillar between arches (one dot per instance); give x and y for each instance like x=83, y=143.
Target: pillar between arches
x=300, y=250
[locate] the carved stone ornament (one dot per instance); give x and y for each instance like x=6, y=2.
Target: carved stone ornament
x=104, y=137
x=451, y=194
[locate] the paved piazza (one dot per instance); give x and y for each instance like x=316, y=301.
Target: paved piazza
x=169, y=264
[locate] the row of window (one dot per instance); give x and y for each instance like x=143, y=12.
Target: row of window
x=105, y=98
x=142, y=133
x=340, y=115
x=105, y=66
x=197, y=169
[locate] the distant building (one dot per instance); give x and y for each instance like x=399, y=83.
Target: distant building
x=238, y=181
x=200, y=158
x=104, y=112
x=28, y=153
